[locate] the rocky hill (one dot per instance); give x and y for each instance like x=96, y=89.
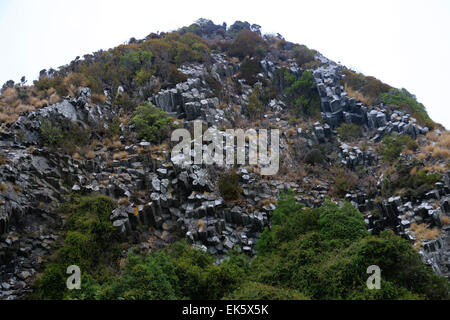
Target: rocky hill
x=91, y=141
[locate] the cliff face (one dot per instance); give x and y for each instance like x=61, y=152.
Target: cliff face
x=75, y=132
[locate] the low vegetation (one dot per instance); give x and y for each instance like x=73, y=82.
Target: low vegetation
x=151, y=123
x=229, y=186
x=344, y=182
x=349, y=132
x=255, y=108
x=302, y=94
x=318, y=253
x=403, y=100
x=393, y=145
x=366, y=89
x=90, y=242
x=63, y=133
x=314, y=157
x=408, y=178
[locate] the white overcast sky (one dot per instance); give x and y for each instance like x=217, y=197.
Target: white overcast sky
x=405, y=43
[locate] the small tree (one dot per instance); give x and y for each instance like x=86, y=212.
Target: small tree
x=152, y=124
x=349, y=132
x=302, y=93
x=229, y=186
x=255, y=106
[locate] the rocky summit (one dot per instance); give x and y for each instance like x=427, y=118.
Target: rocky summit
x=87, y=176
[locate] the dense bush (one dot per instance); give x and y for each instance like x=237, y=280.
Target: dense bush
x=149, y=278
x=368, y=86
x=344, y=181
x=408, y=179
x=302, y=94
x=249, y=70
x=315, y=156
x=403, y=100
x=255, y=108
x=63, y=133
x=91, y=242
x=318, y=253
x=303, y=55
x=178, y=272
x=393, y=145
x=258, y=291
x=229, y=185
x=52, y=134
x=148, y=65
x=349, y=132
x=151, y=123
x=248, y=44
x=324, y=254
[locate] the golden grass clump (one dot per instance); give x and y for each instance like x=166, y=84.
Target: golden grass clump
x=117, y=144
x=55, y=98
x=123, y=202
x=107, y=142
x=76, y=156
x=357, y=95
x=89, y=154
x=437, y=148
x=120, y=155
x=10, y=95
x=98, y=98
x=422, y=232
x=442, y=153
x=445, y=220
x=422, y=156
x=22, y=108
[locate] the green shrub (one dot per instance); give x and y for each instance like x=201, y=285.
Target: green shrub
x=259, y=291
x=400, y=264
x=249, y=70
x=114, y=127
x=324, y=254
x=248, y=44
x=303, y=55
x=177, y=272
x=255, y=108
x=393, y=145
x=51, y=133
x=52, y=284
x=344, y=181
x=349, y=132
x=345, y=223
x=313, y=157
x=402, y=99
x=149, y=278
x=63, y=133
x=56, y=82
x=91, y=242
x=302, y=94
x=408, y=179
x=152, y=124
x=229, y=185
x=370, y=87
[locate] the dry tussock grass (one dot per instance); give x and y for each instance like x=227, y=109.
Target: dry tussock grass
x=98, y=98
x=436, y=152
x=358, y=96
x=422, y=232
x=123, y=202
x=13, y=104
x=120, y=155
x=445, y=220
x=89, y=154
